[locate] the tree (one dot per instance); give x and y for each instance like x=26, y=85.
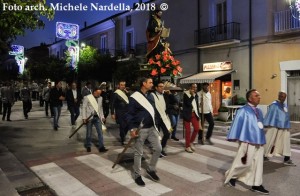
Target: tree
x=14, y=22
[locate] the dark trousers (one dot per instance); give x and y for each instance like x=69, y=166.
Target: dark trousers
x=162, y=126
x=105, y=110
x=123, y=126
x=74, y=111
x=6, y=111
x=41, y=101
x=47, y=106
x=26, y=108
x=209, y=118
x=0, y=106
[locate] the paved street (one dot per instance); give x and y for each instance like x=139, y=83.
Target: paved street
x=32, y=154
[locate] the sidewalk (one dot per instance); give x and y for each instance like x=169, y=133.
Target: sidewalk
x=24, y=143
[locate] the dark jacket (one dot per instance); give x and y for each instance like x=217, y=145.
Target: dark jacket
x=173, y=105
x=118, y=105
x=70, y=98
x=188, y=107
x=137, y=113
x=54, y=97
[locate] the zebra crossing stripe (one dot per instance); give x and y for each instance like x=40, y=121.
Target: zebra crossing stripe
x=235, y=144
x=200, y=158
x=62, y=182
x=180, y=171
x=217, y=150
x=122, y=176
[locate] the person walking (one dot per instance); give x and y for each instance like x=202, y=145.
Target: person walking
x=8, y=100
x=56, y=98
x=1, y=86
x=106, y=99
x=277, y=123
x=162, y=121
x=46, y=97
x=205, y=95
x=247, y=129
x=87, y=89
x=173, y=109
x=92, y=105
x=119, y=107
x=73, y=97
x=190, y=114
x=141, y=113
x=25, y=95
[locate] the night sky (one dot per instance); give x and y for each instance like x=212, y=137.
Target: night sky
x=47, y=35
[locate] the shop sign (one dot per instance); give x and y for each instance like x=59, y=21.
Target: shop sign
x=217, y=66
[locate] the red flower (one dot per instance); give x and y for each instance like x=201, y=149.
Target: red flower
x=165, y=52
x=158, y=63
x=154, y=72
x=151, y=61
x=163, y=70
x=165, y=58
x=167, y=65
x=175, y=72
x=157, y=56
x=179, y=68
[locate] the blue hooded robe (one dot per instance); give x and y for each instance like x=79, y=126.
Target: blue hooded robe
x=245, y=128
x=278, y=116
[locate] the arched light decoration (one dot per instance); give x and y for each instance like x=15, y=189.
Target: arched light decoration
x=295, y=8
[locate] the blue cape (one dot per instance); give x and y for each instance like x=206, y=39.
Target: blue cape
x=277, y=117
x=245, y=128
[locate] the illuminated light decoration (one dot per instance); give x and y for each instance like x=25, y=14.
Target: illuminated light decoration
x=67, y=31
x=73, y=49
x=295, y=8
x=18, y=52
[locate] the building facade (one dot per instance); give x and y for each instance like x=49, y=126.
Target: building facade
x=258, y=38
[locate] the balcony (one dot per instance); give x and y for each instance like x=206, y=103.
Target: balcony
x=219, y=35
x=285, y=23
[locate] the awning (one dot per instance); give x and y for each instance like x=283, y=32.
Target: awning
x=202, y=77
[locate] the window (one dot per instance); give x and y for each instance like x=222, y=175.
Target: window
x=128, y=20
x=103, y=43
x=129, y=41
x=221, y=17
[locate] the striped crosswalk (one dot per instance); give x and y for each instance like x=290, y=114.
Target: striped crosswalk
x=59, y=177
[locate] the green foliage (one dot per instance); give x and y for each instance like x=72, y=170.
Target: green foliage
x=223, y=109
x=241, y=101
x=127, y=70
x=95, y=66
x=14, y=23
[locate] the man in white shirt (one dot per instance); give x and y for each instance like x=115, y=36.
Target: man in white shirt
x=207, y=111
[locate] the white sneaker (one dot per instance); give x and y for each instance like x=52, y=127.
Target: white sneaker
x=192, y=147
x=189, y=150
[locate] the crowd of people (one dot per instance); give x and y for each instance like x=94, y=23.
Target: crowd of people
x=151, y=114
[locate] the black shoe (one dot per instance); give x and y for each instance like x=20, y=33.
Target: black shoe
x=8, y=120
x=232, y=182
x=266, y=159
x=200, y=141
x=163, y=154
x=209, y=142
x=139, y=181
x=103, y=149
x=88, y=149
x=260, y=189
x=153, y=175
x=55, y=128
x=3, y=119
x=175, y=139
